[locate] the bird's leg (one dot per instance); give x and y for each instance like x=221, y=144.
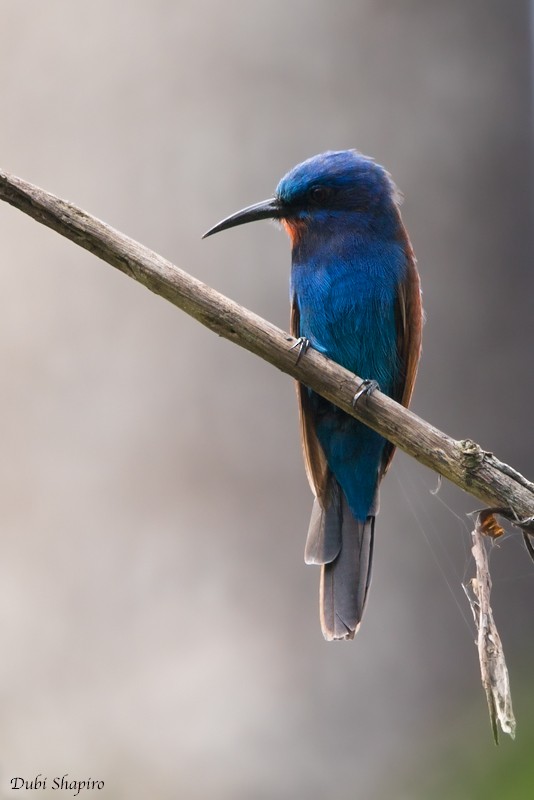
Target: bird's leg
x=367, y=387
x=303, y=345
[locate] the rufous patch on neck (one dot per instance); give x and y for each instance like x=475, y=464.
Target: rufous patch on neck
x=294, y=228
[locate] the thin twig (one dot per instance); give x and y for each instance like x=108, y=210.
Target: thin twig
x=462, y=462
x=493, y=670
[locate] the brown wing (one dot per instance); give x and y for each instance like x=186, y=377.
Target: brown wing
x=409, y=313
x=314, y=457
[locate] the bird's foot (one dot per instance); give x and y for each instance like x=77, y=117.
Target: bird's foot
x=366, y=387
x=303, y=345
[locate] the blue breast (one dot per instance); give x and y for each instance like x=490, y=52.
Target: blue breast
x=346, y=297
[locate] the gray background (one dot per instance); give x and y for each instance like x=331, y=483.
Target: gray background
x=159, y=628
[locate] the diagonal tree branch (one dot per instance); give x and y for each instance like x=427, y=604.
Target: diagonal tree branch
x=462, y=462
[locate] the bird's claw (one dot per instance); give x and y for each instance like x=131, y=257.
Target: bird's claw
x=366, y=387
x=303, y=345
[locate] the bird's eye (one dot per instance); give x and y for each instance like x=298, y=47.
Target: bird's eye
x=319, y=194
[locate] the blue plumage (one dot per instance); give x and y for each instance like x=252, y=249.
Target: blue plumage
x=355, y=296
x=344, y=278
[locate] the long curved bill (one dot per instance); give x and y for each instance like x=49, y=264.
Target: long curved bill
x=267, y=209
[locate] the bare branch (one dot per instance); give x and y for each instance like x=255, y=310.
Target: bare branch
x=462, y=462
x=493, y=670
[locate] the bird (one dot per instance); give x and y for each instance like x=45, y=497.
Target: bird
x=355, y=297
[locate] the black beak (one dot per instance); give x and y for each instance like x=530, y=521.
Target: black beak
x=267, y=209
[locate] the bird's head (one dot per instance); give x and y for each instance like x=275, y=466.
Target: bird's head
x=334, y=187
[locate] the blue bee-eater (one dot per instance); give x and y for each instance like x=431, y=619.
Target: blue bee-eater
x=355, y=297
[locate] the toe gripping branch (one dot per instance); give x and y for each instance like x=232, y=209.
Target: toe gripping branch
x=367, y=387
x=303, y=346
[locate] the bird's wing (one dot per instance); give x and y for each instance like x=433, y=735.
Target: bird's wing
x=314, y=458
x=409, y=314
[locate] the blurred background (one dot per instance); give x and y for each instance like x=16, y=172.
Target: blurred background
x=159, y=627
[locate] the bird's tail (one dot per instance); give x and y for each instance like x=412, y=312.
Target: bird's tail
x=343, y=546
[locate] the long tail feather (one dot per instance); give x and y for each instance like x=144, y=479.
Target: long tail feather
x=344, y=548
x=345, y=582
x=324, y=534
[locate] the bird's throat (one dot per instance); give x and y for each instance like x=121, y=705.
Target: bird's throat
x=294, y=229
